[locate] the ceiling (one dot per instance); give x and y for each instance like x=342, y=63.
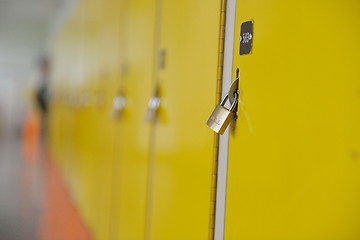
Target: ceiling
x=26, y=28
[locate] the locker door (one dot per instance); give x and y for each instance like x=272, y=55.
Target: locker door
x=181, y=164
x=85, y=164
x=107, y=85
x=294, y=168
x=133, y=134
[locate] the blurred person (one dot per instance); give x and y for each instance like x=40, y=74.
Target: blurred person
x=42, y=95
x=34, y=136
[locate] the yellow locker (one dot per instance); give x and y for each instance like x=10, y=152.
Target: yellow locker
x=86, y=55
x=104, y=127
x=57, y=109
x=65, y=78
x=181, y=164
x=133, y=134
x=83, y=89
x=294, y=168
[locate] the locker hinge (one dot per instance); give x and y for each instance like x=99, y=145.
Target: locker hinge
x=216, y=136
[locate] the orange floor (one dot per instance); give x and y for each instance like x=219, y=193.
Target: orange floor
x=60, y=219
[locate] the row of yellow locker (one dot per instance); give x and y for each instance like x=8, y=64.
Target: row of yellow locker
x=135, y=81
x=132, y=178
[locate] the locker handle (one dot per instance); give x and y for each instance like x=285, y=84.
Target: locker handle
x=119, y=104
x=153, y=107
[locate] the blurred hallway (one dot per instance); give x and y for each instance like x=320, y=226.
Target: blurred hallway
x=20, y=193
x=26, y=28
x=34, y=202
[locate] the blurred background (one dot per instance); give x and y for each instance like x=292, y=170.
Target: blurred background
x=27, y=27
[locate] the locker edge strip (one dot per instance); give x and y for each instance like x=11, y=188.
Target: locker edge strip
x=223, y=140
x=219, y=83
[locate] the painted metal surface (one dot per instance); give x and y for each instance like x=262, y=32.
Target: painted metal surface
x=294, y=152
x=133, y=133
x=224, y=139
x=183, y=154
x=85, y=76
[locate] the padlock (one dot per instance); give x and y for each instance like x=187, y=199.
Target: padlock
x=221, y=116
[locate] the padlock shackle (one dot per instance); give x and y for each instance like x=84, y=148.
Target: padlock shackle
x=233, y=105
x=223, y=101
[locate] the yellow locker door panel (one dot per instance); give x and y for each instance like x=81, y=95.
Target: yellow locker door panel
x=81, y=163
x=132, y=144
x=63, y=144
x=89, y=150
x=57, y=110
x=181, y=194
x=294, y=156
x=74, y=113
x=104, y=127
